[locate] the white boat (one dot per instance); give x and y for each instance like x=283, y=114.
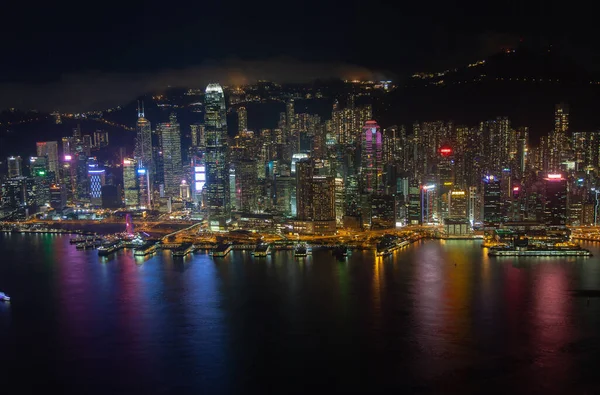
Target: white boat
x=4, y=297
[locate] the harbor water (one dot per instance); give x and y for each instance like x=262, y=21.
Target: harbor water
x=434, y=317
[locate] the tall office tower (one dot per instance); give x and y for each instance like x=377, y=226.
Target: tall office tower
x=428, y=204
x=15, y=166
x=217, y=168
x=97, y=179
x=290, y=117
x=394, y=141
x=492, y=201
x=17, y=193
x=246, y=186
x=145, y=188
x=67, y=146
x=81, y=176
x=555, y=197
x=543, y=159
x=323, y=198
x=86, y=144
x=58, y=196
x=197, y=134
x=143, y=144
x=414, y=203
x=41, y=181
x=170, y=137
x=69, y=177
x=340, y=200
x=242, y=119
x=304, y=175
x=520, y=164
x=474, y=206
x=559, y=144
x=372, y=158
x=284, y=187
x=49, y=149
x=497, y=136
x=100, y=138
x=458, y=204
x=445, y=170
x=130, y=183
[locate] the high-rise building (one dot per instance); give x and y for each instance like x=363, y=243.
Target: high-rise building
x=559, y=144
x=372, y=158
x=58, y=196
x=458, y=204
x=246, y=186
x=100, y=138
x=170, y=137
x=143, y=144
x=41, y=179
x=217, y=169
x=49, y=149
x=555, y=207
x=323, y=198
x=130, y=183
x=304, y=175
x=145, y=188
x=184, y=191
x=15, y=166
x=97, y=179
x=197, y=135
x=242, y=119
x=492, y=200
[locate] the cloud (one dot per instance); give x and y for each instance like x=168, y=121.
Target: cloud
x=96, y=90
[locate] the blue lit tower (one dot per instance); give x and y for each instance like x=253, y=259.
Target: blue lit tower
x=217, y=169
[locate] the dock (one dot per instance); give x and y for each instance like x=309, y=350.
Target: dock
x=222, y=250
x=184, y=250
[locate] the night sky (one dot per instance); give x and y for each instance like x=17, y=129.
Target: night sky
x=77, y=58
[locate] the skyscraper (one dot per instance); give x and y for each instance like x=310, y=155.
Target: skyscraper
x=217, y=169
x=130, y=186
x=143, y=143
x=49, y=149
x=559, y=144
x=15, y=166
x=372, y=158
x=555, y=207
x=242, y=119
x=304, y=174
x=492, y=201
x=170, y=137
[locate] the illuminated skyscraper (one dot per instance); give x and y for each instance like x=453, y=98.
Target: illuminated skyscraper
x=492, y=200
x=97, y=179
x=304, y=175
x=372, y=158
x=246, y=187
x=170, y=137
x=217, y=169
x=49, y=149
x=555, y=207
x=143, y=143
x=559, y=144
x=242, y=119
x=130, y=183
x=15, y=166
x=197, y=134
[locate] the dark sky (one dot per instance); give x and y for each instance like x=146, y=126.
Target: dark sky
x=102, y=53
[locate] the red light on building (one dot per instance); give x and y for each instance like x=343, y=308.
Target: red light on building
x=446, y=151
x=516, y=189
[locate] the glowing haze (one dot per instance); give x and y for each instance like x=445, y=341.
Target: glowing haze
x=96, y=90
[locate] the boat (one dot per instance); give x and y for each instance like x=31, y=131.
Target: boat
x=221, y=250
x=88, y=245
x=539, y=251
x=300, y=250
x=109, y=247
x=145, y=249
x=262, y=250
x=183, y=250
x=77, y=240
x=4, y=297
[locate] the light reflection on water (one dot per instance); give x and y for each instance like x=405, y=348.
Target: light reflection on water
x=434, y=317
